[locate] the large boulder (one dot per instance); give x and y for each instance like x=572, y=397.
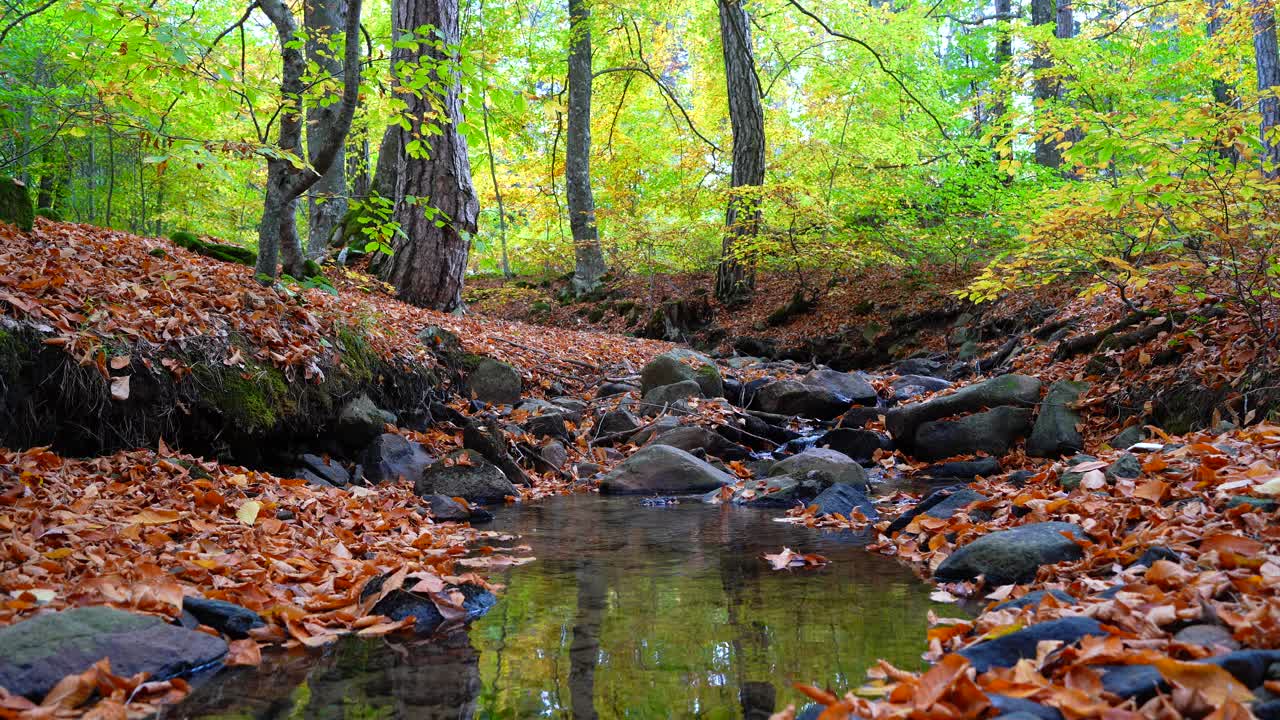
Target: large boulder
x=1055, y=432
x=36, y=653
x=616, y=422
x=831, y=466
x=907, y=387
x=391, y=457
x=857, y=443
x=663, y=469
x=495, y=382
x=695, y=437
x=542, y=419
x=1016, y=390
x=667, y=395
x=992, y=432
x=841, y=499
x=465, y=474
x=360, y=421
x=852, y=387
x=792, y=397
x=1013, y=556
x=680, y=365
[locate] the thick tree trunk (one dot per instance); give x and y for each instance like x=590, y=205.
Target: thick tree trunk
x=734, y=281
x=277, y=232
x=327, y=200
x=429, y=264
x=1268, y=68
x=1044, y=12
x=588, y=258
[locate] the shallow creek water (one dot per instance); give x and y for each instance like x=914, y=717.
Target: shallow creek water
x=628, y=612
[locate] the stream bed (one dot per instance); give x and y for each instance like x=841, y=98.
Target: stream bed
x=628, y=612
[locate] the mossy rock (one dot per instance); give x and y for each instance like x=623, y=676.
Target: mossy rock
x=217, y=251
x=49, y=214
x=623, y=307
x=251, y=398
x=596, y=314
x=310, y=269
x=15, y=204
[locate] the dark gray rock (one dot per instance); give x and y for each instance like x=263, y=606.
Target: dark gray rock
x=326, y=469
x=1140, y=682
x=1157, y=552
x=662, y=469
x=1071, y=480
x=544, y=420
x=495, y=382
x=610, y=389
x=1208, y=636
x=853, y=388
x=1269, y=710
x=37, y=653
x=391, y=457
x=909, y=387
x=963, y=469
x=669, y=369
x=857, y=417
x=1254, y=503
x=1131, y=435
x=992, y=432
x=486, y=438
x=227, y=618
x=1013, y=708
x=941, y=503
x=400, y=604
x=919, y=366
x=616, y=422
x=791, y=397
x=831, y=466
x=445, y=508
x=1055, y=430
x=1032, y=599
x=858, y=444
x=571, y=408
x=696, y=437
x=1007, y=650
x=465, y=474
x=360, y=421
x=659, y=426
x=781, y=492
x=663, y=396
x=842, y=498
x=1126, y=466
x=1013, y=556
x=555, y=454
x=313, y=479
x=1016, y=390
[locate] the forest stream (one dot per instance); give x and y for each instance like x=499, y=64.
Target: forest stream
x=628, y=611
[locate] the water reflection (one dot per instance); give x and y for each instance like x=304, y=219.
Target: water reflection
x=629, y=612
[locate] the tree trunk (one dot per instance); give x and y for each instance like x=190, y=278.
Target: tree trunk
x=327, y=200
x=1222, y=95
x=734, y=281
x=277, y=232
x=1043, y=12
x=588, y=260
x=387, y=172
x=429, y=264
x=1268, y=67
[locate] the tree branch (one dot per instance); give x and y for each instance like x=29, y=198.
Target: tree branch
x=879, y=60
x=665, y=90
x=23, y=18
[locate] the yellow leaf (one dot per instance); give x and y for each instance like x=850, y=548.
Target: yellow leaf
x=1213, y=682
x=248, y=511
x=59, y=553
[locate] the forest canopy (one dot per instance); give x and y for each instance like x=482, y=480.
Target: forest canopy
x=1054, y=138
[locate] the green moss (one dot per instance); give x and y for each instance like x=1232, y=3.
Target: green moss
x=357, y=357
x=596, y=315
x=13, y=353
x=217, y=251
x=540, y=307
x=471, y=361
x=623, y=307
x=253, y=399
x=158, y=253
x=15, y=204
x=49, y=214
x=310, y=269
x=184, y=239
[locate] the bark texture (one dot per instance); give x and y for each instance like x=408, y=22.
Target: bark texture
x=588, y=259
x=436, y=205
x=278, y=232
x=327, y=200
x=1044, y=12
x=1268, y=68
x=734, y=281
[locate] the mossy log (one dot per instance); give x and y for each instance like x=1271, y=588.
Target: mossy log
x=15, y=204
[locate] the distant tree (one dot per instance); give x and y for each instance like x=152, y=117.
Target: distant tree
x=1044, y=12
x=1268, y=69
x=734, y=281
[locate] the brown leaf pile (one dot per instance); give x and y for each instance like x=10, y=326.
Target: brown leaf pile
x=1230, y=575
